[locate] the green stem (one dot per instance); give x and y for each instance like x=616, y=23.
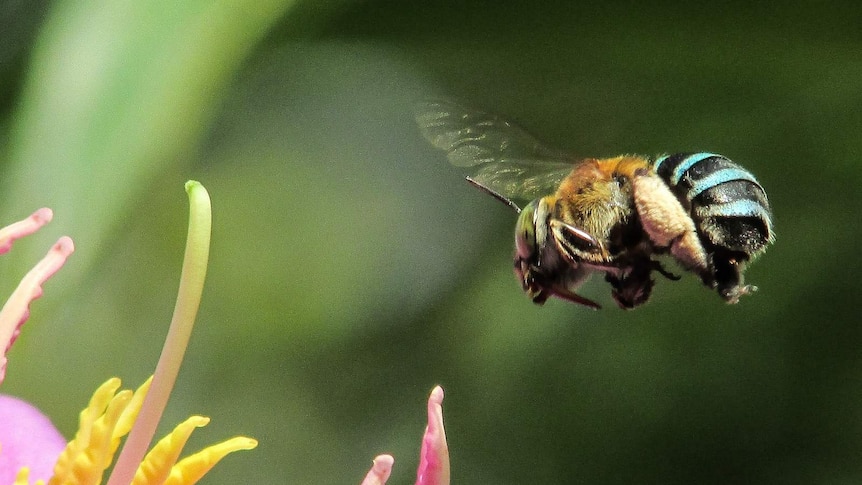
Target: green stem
x=188, y=301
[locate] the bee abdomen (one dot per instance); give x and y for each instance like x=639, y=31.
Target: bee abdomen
x=728, y=205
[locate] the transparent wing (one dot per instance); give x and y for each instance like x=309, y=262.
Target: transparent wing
x=504, y=157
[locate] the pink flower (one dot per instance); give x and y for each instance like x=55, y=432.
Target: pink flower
x=27, y=438
x=434, y=457
x=30, y=446
x=17, y=308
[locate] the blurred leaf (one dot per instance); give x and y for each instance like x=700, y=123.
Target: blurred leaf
x=19, y=23
x=118, y=91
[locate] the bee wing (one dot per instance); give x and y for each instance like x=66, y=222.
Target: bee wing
x=505, y=158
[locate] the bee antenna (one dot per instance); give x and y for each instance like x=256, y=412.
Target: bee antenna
x=494, y=194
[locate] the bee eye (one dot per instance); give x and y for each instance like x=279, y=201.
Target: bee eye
x=525, y=232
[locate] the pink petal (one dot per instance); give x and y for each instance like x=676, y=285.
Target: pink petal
x=434, y=458
x=17, y=308
x=27, y=438
x=380, y=470
x=28, y=226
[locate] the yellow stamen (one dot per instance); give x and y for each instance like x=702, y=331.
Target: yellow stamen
x=86, y=457
x=127, y=419
x=190, y=469
x=161, y=466
x=107, y=419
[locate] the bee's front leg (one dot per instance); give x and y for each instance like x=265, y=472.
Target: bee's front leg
x=631, y=285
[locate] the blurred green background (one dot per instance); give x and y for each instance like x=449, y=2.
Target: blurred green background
x=352, y=269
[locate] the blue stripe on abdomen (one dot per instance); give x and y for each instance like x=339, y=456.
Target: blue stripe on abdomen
x=683, y=165
x=717, y=178
x=736, y=208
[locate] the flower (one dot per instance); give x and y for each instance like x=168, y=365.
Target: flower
x=30, y=446
x=107, y=418
x=16, y=310
x=434, y=457
x=32, y=442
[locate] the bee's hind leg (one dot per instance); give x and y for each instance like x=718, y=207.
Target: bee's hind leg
x=667, y=223
x=657, y=266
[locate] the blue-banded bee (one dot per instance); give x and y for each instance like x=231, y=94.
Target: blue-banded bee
x=608, y=215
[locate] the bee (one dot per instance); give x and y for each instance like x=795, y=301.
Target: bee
x=610, y=215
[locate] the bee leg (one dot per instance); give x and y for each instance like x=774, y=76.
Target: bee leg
x=667, y=223
x=575, y=298
x=633, y=288
x=657, y=266
x=728, y=279
x=533, y=289
x=540, y=298
x=575, y=244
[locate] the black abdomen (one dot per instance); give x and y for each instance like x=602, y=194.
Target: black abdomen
x=728, y=205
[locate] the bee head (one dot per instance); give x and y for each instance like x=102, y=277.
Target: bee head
x=528, y=237
x=531, y=237
x=536, y=230
x=545, y=259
